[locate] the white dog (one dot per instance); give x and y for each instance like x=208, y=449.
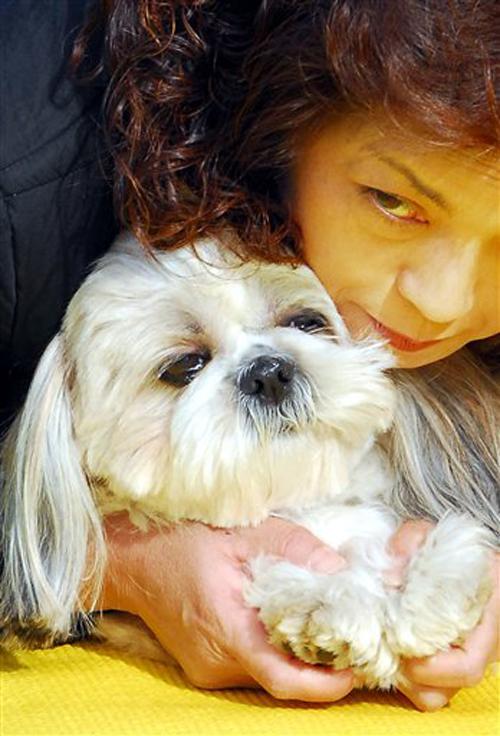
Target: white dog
x=184, y=387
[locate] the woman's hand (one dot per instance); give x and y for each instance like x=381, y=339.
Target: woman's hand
x=185, y=581
x=434, y=680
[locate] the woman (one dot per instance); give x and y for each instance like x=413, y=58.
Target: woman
x=360, y=133
x=337, y=132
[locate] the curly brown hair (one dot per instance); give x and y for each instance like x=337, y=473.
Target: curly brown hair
x=206, y=98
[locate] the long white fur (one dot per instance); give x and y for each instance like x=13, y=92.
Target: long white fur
x=48, y=502
x=100, y=432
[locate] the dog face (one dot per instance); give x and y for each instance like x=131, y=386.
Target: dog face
x=209, y=390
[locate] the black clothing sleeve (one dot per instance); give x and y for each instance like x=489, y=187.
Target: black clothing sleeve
x=56, y=212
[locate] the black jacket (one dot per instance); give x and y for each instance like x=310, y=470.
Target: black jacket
x=55, y=203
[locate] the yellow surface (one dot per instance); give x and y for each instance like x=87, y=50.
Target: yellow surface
x=89, y=689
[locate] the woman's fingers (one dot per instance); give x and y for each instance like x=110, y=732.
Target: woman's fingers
x=402, y=546
x=432, y=681
x=217, y=678
x=460, y=666
x=283, y=676
x=409, y=537
x=283, y=539
x=427, y=698
x=463, y=666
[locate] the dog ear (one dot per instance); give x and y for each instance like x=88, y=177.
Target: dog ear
x=49, y=523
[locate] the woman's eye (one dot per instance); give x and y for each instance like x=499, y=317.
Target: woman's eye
x=396, y=207
x=307, y=321
x=185, y=369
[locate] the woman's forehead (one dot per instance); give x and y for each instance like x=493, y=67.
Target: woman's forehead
x=365, y=146
x=375, y=134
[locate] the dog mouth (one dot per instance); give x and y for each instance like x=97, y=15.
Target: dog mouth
x=274, y=396
x=270, y=423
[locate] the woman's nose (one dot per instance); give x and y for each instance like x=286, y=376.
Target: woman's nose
x=441, y=282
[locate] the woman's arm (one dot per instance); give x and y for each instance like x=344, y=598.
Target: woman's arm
x=185, y=582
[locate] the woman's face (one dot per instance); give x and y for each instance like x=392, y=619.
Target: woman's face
x=404, y=235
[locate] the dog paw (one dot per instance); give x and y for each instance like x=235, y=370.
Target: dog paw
x=447, y=587
x=324, y=619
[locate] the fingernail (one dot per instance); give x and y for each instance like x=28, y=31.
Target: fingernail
x=433, y=700
x=322, y=560
x=394, y=577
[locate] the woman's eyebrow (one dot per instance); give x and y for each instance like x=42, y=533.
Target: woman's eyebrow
x=415, y=182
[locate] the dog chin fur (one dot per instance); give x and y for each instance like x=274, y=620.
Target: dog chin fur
x=102, y=431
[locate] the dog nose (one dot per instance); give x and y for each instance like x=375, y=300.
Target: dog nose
x=267, y=377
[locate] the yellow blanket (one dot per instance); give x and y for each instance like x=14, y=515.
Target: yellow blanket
x=89, y=689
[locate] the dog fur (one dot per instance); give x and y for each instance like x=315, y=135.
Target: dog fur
x=107, y=426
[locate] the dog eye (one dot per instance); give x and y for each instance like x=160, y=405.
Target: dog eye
x=307, y=321
x=185, y=369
